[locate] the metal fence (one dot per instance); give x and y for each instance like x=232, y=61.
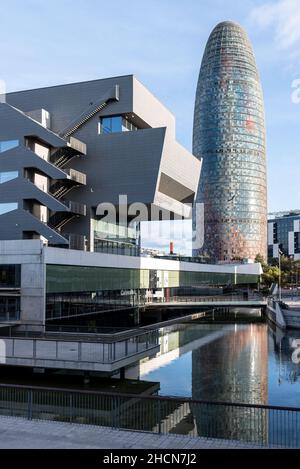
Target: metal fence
x=259, y=424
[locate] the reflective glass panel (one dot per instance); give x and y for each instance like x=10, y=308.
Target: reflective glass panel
x=8, y=207
x=8, y=176
x=8, y=145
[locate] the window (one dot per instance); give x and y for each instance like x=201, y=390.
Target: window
x=8, y=145
x=9, y=308
x=8, y=207
x=127, y=126
x=110, y=125
x=10, y=275
x=8, y=176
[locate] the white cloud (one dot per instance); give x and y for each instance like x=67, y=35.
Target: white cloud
x=284, y=17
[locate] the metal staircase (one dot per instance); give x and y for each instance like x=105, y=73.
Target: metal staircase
x=61, y=187
x=91, y=111
x=58, y=190
x=74, y=209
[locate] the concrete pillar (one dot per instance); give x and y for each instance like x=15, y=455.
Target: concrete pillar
x=136, y=316
x=122, y=373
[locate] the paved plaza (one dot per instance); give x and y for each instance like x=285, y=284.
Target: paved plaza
x=17, y=433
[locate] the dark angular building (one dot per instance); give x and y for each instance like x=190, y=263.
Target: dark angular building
x=229, y=134
x=66, y=149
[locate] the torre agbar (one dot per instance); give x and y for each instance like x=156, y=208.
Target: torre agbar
x=229, y=134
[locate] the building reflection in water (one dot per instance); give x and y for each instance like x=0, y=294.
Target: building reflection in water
x=237, y=363
x=234, y=369
x=228, y=363
x=284, y=367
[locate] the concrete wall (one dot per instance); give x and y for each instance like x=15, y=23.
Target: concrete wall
x=28, y=253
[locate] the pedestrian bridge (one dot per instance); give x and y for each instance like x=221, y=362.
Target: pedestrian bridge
x=238, y=301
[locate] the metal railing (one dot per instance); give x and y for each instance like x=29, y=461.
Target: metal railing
x=76, y=175
x=258, y=424
x=74, y=207
x=85, y=329
x=216, y=298
x=77, y=145
x=84, y=348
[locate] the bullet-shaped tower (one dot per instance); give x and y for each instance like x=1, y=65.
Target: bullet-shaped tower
x=229, y=134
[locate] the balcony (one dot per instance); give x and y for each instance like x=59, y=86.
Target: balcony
x=75, y=207
x=73, y=210
x=64, y=155
x=61, y=187
x=76, y=176
x=77, y=145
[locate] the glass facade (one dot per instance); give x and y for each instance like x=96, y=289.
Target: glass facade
x=112, y=238
x=66, y=305
x=6, y=145
x=75, y=291
x=285, y=233
x=229, y=134
x=9, y=308
x=10, y=275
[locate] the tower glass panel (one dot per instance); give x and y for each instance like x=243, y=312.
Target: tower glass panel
x=229, y=134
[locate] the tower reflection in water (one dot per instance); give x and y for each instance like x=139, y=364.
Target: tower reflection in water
x=234, y=369
x=213, y=362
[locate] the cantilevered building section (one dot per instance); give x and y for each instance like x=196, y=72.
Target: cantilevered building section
x=66, y=149
x=35, y=179
x=229, y=134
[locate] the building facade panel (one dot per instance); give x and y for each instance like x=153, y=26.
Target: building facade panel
x=284, y=234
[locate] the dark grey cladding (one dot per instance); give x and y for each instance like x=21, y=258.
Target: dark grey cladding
x=53, y=184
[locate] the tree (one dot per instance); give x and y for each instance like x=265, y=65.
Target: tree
x=260, y=259
x=271, y=275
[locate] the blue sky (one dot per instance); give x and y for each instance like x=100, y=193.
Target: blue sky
x=161, y=42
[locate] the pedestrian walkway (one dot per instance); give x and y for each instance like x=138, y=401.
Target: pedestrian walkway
x=17, y=433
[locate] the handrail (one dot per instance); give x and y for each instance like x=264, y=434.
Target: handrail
x=151, y=397
x=81, y=337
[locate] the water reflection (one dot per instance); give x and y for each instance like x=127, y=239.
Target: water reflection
x=249, y=364
x=232, y=369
